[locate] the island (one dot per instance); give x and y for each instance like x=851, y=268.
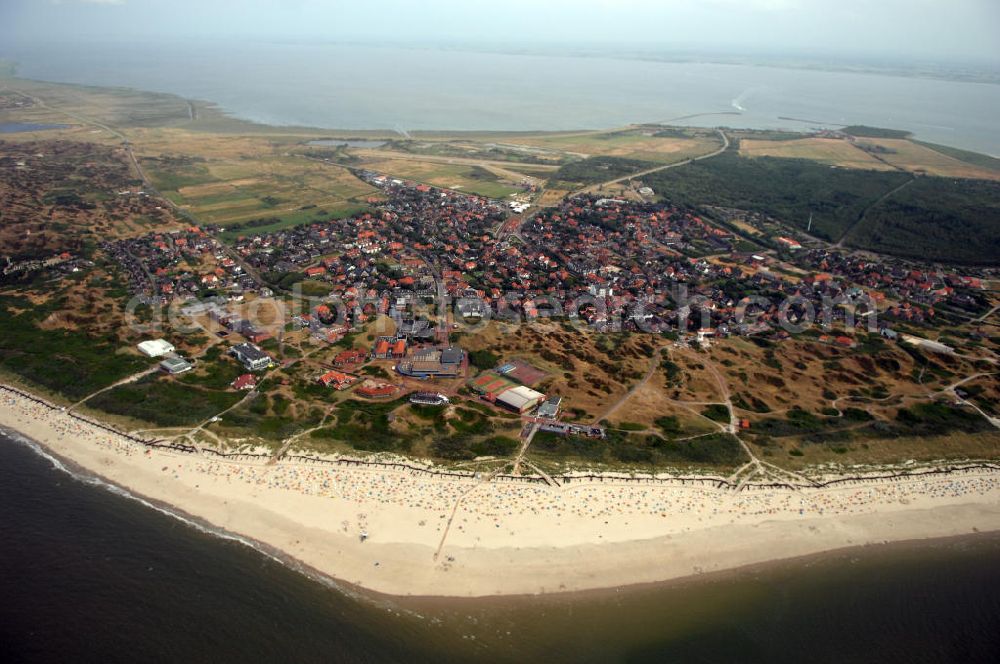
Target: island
x=497, y=363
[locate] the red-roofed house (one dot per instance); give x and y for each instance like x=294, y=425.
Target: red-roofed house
x=349, y=357
x=244, y=382
x=376, y=390
x=382, y=349
x=338, y=380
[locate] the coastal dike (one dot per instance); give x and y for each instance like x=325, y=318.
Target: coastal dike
x=402, y=530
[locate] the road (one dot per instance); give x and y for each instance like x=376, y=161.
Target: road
x=512, y=227
x=649, y=171
x=954, y=386
x=982, y=319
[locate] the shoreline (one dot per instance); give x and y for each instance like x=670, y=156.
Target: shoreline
x=256, y=123
x=455, y=536
x=87, y=476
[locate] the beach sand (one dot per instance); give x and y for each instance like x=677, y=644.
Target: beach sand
x=435, y=536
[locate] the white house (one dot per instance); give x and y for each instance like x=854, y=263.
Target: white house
x=155, y=348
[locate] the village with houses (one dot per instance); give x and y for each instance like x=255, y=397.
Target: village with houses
x=608, y=326
x=389, y=307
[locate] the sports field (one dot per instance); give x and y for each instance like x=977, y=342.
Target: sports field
x=490, y=383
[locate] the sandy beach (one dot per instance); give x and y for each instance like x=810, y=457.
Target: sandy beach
x=461, y=536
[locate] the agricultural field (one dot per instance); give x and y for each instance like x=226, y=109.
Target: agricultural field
x=638, y=144
x=916, y=158
x=832, y=151
x=217, y=169
x=974, y=158
x=873, y=153
x=92, y=111
x=228, y=191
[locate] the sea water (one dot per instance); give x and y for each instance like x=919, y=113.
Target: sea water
x=91, y=574
x=352, y=86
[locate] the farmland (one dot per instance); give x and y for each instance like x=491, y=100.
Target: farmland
x=228, y=180
x=916, y=158
x=831, y=151
x=873, y=153
x=640, y=144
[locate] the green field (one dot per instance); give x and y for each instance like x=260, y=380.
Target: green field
x=864, y=131
x=164, y=401
x=272, y=224
x=260, y=195
x=715, y=450
x=595, y=170
x=973, y=158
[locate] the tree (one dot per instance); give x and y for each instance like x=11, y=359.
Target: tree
x=483, y=359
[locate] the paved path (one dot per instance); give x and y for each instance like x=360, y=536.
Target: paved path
x=994, y=421
x=650, y=171
x=527, y=434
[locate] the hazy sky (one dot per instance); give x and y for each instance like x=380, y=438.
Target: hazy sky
x=925, y=29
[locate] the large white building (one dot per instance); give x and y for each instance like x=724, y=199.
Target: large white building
x=155, y=348
x=252, y=357
x=520, y=399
